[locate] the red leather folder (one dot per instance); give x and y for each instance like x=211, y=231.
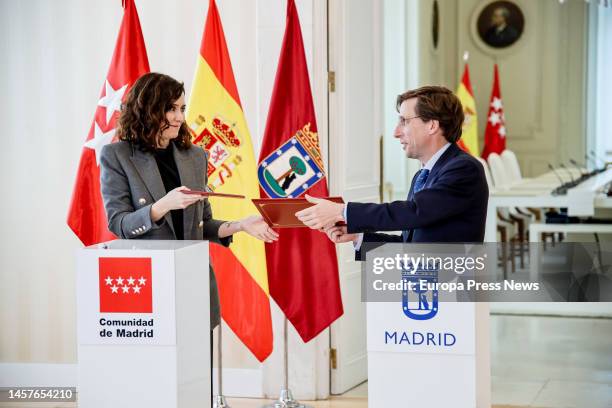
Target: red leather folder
x=280, y=212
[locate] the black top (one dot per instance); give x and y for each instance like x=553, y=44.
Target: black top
x=171, y=179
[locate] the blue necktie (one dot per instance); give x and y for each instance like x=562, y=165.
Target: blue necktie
x=419, y=184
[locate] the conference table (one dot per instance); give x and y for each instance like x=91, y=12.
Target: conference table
x=587, y=199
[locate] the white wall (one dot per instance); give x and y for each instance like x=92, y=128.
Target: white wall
x=56, y=55
x=411, y=60
x=402, y=45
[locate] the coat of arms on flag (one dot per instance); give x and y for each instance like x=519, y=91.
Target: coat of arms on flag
x=218, y=139
x=469, y=118
x=125, y=285
x=294, y=167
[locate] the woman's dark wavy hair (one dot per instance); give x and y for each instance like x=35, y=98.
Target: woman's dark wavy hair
x=143, y=114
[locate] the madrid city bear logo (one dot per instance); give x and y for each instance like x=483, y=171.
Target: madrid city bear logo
x=418, y=301
x=294, y=167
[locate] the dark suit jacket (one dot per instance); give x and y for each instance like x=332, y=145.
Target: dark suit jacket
x=452, y=207
x=130, y=182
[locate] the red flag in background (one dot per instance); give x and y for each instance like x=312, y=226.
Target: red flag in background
x=302, y=264
x=86, y=216
x=495, y=133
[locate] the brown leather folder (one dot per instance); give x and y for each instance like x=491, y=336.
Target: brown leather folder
x=211, y=194
x=280, y=212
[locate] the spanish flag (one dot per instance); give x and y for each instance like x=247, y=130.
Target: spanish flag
x=218, y=125
x=469, y=138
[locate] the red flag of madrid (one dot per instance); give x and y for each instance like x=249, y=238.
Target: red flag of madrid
x=86, y=216
x=495, y=133
x=125, y=285
x=302, y=264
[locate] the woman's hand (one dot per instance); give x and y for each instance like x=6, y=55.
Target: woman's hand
x=257, y=227
x=174, y=200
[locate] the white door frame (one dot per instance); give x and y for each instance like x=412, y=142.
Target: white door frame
x=355, y=123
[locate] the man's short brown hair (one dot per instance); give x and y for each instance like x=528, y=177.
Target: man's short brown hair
x=437, y=103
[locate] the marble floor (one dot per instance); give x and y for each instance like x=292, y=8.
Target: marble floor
x=551, y=362
x=536, y=361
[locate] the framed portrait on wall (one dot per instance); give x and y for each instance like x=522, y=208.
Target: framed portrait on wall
x=499, y=24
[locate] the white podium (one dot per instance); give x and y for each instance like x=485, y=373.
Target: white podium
x=143, y=324
x=442, y=361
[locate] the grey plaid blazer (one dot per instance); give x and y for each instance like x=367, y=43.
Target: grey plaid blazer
x=130, y=183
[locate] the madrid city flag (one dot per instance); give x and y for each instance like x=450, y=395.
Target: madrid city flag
x=86, y=216
x=302, y=264
x=218, y=125
x=469, y=134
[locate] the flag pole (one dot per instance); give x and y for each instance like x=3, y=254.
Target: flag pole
x=220, y=401
x=285, y=400
x=286, y=355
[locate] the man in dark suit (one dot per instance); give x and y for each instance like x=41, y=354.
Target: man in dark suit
x=448, y=197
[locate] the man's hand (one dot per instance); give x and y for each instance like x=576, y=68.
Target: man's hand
x=338, y=235
x=323, y=214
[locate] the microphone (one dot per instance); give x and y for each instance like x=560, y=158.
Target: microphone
x=577, y=166
x=562, y=189
x=584, y=174
x=572, y=181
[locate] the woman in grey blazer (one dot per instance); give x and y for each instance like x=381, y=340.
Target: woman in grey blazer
x=145, y=174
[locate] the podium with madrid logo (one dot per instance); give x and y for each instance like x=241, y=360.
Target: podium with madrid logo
x=423, y=351
x=143, y=324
